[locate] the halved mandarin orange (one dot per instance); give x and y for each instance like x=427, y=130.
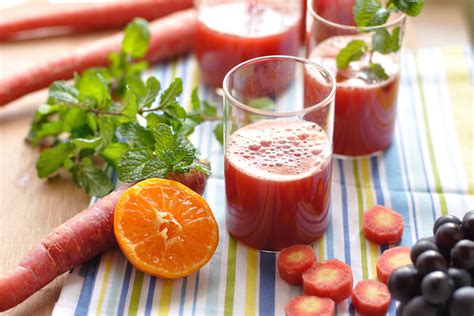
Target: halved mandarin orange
x=165, y=229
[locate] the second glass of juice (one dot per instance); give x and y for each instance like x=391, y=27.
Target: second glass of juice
x=278, y=152
x=365, y=102
x=232, y=31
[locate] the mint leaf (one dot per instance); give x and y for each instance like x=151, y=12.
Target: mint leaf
x=263, y=104
x=175, y=110
x=136, y=135
x=164, y=143
x=136, y=40
x=365, y=10
x=130, y=106
x=195, y=102
x=114, y=152
x=219, y=132
x=106, y=133
x=49, y=129
x=138, y=164
x=184, y=154
x=93, y=180
x=410, y=7
x=378, y=73
x=204, y=168
x=153, y=87
x=63, y=93
x=385, y=43
x=152, y=119
x=171, y=93
x=74, y=118
x=353, y=51
x=83, y=143
x=93, y=89
x=52, y=159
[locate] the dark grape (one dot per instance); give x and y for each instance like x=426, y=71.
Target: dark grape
x=468, y=225
x=445, y=219
x=421, y=246
x=463, y=254
x=404, y=283
x=437, y=287
x=447, y=235
x=418, y=306
x=462, y=302
x=400, y=308
x=460, y=277
x=430, y=239
x=430, y=261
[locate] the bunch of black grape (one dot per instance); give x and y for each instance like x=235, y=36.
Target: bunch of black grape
x=441, y=281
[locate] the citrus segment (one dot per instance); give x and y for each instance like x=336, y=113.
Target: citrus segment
x=165, y=229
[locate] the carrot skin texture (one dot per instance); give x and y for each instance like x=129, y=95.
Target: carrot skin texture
x=84, y=236
x=170, y=36
x=90, y=16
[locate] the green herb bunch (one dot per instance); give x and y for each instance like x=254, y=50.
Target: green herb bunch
x=108, y=117
x=369, y=13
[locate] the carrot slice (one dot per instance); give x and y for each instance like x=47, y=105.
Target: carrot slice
x=391, y=260
x=383, y=225
x=371, y=297
x=310, y=306
x=331, y=278
x=293, y=261
x=165, y=229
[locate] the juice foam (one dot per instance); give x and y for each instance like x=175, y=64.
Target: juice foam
x=279, y=150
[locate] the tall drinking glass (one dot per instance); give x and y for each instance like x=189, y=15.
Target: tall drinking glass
x=232, y=31
x=278, y=151
x=366, y=98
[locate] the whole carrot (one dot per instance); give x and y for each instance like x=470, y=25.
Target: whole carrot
x=90, y=15
x=79, y=239
x=170, y=36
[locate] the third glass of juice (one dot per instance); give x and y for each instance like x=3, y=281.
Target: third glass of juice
x=232, y=31
x=277, y=152
x=366, y=97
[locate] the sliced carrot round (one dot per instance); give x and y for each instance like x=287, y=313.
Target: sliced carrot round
x=304, y=305
x=382, y=225
x=392, y=259
x=165, y=229
x=371, y=297
x=293, y=261
x=331, y=278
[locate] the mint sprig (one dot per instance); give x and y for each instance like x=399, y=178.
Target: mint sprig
x=97, y=121
x=372, y=13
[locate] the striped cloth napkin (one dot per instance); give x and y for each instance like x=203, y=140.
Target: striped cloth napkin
x=427, y=172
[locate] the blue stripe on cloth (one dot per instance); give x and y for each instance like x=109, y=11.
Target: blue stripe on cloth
x=330, y=235
x=183, y=296
x=196, y=289
x=345, y=214
x=267, y=284
x=82, y=307
x=149, y=298
x=376, y=179
x=125, y=286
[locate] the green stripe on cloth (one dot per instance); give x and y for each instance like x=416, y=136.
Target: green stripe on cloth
x=230, y=281
x=137, y=291
x=438, y=187
x=360, y=205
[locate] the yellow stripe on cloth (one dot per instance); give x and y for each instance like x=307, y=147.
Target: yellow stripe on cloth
x=461, y=94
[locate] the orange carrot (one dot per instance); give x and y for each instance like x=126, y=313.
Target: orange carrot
x=170, y=36
x=89, y=16
x=84, y=236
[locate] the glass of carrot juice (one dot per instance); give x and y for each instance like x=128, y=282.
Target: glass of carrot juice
x=232, y=31
x=278, y=151
x=367, y=88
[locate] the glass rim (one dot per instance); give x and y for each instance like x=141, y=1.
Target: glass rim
x=399, y=20
x=304, y=111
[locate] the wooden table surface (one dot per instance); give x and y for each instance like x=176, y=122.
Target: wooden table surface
x=30, y=207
